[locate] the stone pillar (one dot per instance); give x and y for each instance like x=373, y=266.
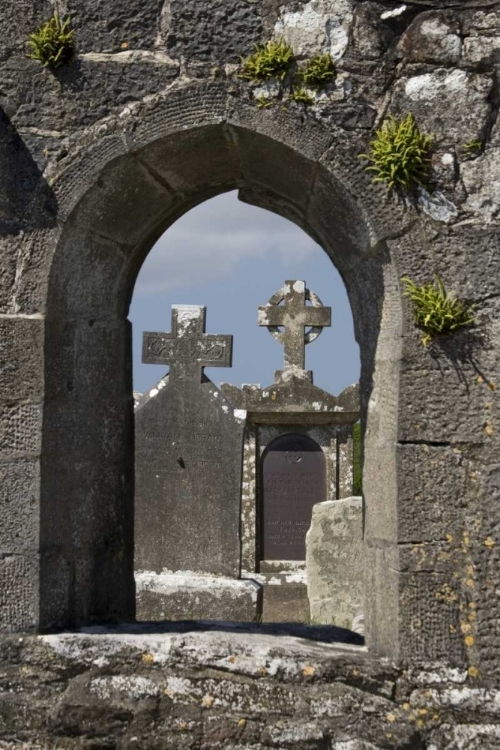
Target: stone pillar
x=21, y=409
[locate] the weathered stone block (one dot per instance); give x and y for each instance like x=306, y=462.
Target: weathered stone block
x=104, y=26
x=127, y=203
x=430, y=616
x=436, y=483
x=190, y=106
x=84, y=91
x=188, y=597
x=8, y=252
x=19, y=593
x=335, y=562
x=285, y=602
x=382, y=578
x=317, y=26
x=451, y=103
x=20, y=429
x=198, y=158
x=19, y=506
x=33, y=248
x=82, y=344
x=433, y=37
x=295, y=186
x=18, y=21
x=21, y=358
x=91, y=287
x=429, y=415
x=223, y=34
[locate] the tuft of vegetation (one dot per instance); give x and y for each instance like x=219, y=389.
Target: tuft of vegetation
x=53, y=43
x=472, y=148
x=270, y=60
x=319, y=71
x=357, y=478
x=400, y=153
x=263, y=102
x=436, y=311
x=301, y=96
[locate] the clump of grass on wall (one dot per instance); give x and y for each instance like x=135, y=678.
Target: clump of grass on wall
x=400, y=153
x=319, y=71
x=53, y=43
x=270, y=60
x=436, y=311
x=301, y=96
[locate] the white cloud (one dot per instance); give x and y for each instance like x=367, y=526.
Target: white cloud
x=209, y=242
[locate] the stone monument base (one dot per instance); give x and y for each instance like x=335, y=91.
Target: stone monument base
x=184, y=596
x=284, y=591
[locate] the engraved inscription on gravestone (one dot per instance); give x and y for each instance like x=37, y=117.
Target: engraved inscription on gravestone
x=293, y=480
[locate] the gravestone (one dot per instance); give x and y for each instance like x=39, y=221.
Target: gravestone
x=187, y=475
x=335, y=563
x=293, y=480
x=298, y=453
x=287, y=309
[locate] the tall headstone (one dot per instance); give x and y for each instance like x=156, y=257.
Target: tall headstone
x=189, y=442
x=298, y=453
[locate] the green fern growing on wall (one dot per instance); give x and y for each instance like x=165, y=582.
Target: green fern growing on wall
x=319, y=71
x=301, y=96
x=436, y=311
x=270, y=60
x=400, y=153
x=53, y=43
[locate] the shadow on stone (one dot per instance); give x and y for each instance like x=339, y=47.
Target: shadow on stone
x=27, y=202
x=316, y=633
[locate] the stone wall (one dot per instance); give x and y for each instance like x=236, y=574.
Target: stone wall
x=149, y=119
x=211, y=690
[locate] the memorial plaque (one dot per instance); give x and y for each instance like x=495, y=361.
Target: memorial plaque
x=293, y=480
x=188, y=444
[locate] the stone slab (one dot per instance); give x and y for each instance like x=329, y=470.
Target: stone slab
x=167, y=596
x=285, y=603
x=334, y=562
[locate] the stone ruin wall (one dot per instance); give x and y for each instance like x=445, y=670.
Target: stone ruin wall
x=142, y=67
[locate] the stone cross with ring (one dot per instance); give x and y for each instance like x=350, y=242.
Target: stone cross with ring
x=294, y=316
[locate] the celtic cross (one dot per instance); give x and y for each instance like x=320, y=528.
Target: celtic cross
x=187, y=349
x=294, y=316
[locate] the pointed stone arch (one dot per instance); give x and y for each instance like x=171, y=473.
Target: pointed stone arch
x=120, y=190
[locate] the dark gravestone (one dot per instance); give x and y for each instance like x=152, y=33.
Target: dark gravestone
x=293, y=480
x=188, y=456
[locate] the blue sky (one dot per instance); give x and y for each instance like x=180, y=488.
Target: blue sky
x=232, y=257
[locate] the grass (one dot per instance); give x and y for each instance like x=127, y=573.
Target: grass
x=472, y=148
x=319, y=71
x=400, y=153
x=436, y=311
x=270, y=60
x=53, y=43
x=301, y=96
x=263, y=102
